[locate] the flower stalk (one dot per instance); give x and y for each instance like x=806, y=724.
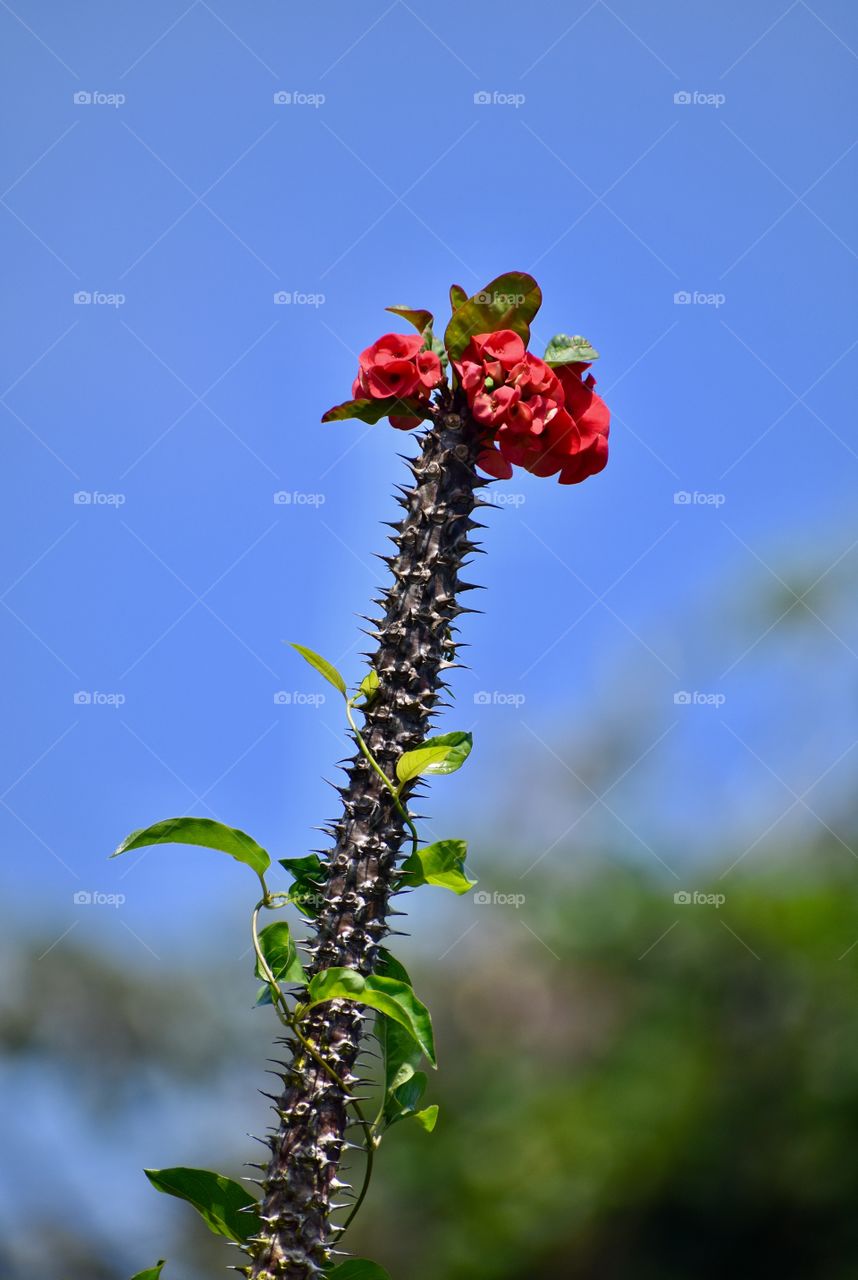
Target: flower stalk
x=415, y=646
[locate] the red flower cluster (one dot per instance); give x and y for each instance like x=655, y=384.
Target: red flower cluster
x=549, y=421
x=397, y=364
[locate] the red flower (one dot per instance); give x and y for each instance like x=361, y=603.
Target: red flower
x=549, y=421
x=397, y=365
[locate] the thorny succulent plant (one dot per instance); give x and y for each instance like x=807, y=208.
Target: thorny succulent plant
x=501, y=407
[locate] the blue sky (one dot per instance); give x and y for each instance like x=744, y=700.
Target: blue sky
x=626, y=155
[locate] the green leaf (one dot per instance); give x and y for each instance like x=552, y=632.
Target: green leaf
x=369, y=686
x=199, y=831
x=402, y=1101
x=428, y=1118
x=400, y=1054
x=309, y=875
x=226, y=1207
x=358, y=1269
x=565, y=350
x=323, y=667
x=422, y=320
x=434, y=343
x=278, y=947
x=412, y=763
x=153, y=1273
x=441, y=863
x=458, y=297
x=444, y=754
x=389, y=967
x=390, y=996
x=509, y=302
x=374, y=410
x=458, y=744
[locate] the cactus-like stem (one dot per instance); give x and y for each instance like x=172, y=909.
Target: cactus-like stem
x=415, y=646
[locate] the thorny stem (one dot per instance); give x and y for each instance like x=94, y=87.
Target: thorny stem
x=289, y=1020
x=391, y=786
x=415, y=648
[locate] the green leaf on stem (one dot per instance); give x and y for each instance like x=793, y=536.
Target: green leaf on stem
x=422, y=320
x=199, y=831
x=389, y=967
x=400, y=1054
x=322, y=666
x=412, y=763
x=225, y=1206
x=358, y=1269
x=390, y=996
x=509, y=302
x=458, y=296
x=308, y=874
x=443, y=754
x=402, y=1101
x=565, y=350
x=434, y=343
x=369, y=686
x=278, y=947
x=441, y=863
x=374, y=410
x=153, y=1273
x=428, y=1118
